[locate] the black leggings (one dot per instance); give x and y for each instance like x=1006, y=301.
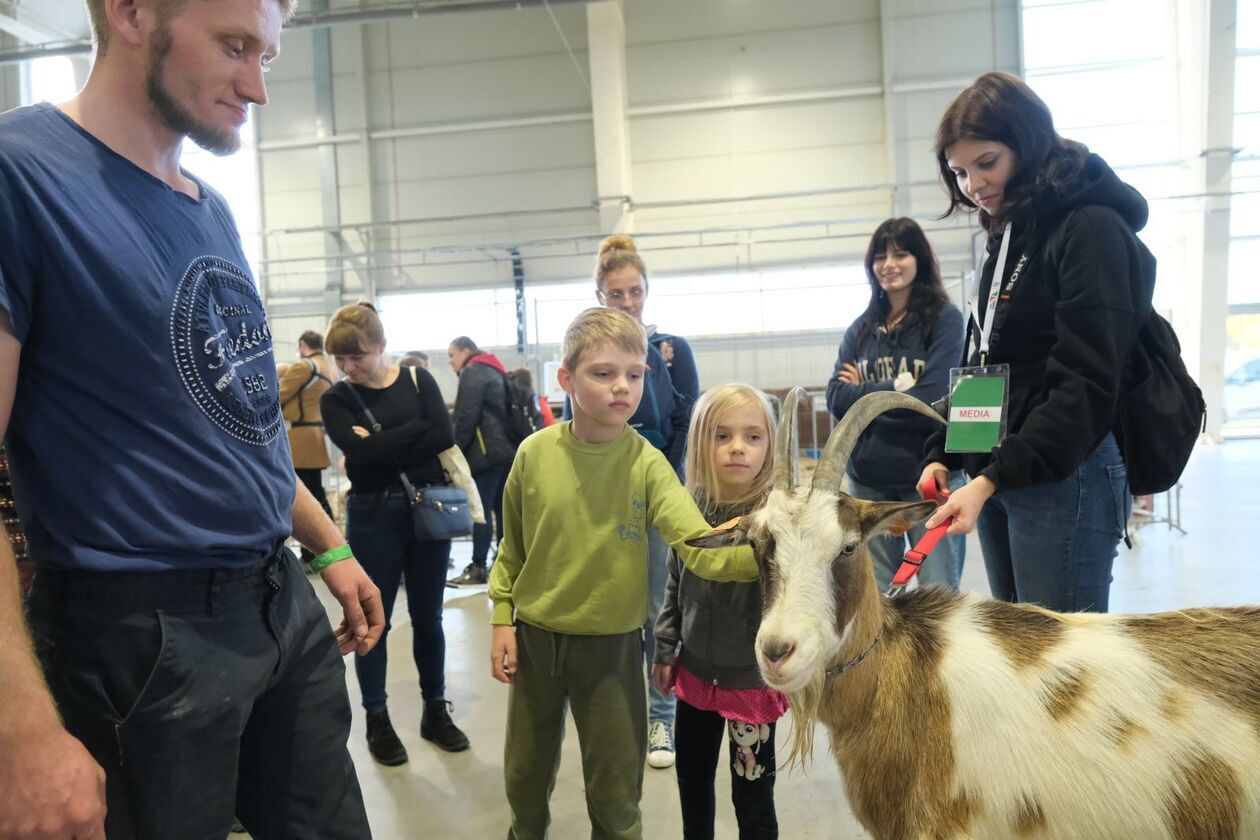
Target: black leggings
x=698, y=737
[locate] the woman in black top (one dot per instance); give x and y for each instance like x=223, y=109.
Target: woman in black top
x=415, y=427
x=1051, y=499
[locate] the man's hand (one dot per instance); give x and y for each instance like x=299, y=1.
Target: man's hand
x=849, y=374
x=503, y=653
x=364, y=615
x=53, y=788
x=964, y=505
x=663, y=678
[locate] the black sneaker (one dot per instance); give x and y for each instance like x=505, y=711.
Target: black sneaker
x=383, y=741
x=473, y=575
x=436, y=726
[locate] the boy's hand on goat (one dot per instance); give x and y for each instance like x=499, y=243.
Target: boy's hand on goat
x=663, y=679
x=503, y=653
x=964, y=505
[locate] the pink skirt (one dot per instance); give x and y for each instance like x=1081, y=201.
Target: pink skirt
x=751, y=705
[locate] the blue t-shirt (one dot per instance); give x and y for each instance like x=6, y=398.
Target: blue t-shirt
x=146, y=433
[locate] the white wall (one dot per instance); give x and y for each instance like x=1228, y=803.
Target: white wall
x=726, y=100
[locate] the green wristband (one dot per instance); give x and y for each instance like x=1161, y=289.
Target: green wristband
x=332, y=555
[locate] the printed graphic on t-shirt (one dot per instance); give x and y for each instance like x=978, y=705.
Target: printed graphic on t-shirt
x=222, y=345
x=885, y=368
x=632, y=531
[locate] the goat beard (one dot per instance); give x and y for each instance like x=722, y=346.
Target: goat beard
x=804, y=704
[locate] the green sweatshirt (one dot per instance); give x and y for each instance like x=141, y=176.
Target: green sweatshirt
x=573, y=558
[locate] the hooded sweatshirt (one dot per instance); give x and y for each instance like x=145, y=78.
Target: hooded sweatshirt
x=480, y=415
x=889, y=454
x=1066, y=329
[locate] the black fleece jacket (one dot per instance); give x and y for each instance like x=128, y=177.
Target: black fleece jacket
x=1066, y=330
x=480, y=415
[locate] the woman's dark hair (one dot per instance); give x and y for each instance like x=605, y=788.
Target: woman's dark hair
x=927, y=291
x=999, y=107
x=463, y=342
x=523, y=378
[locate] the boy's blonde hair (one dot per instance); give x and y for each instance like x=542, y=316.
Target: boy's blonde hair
x=597, y=326
x=713, y=407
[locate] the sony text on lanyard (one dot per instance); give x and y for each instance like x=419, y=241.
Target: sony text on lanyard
x=978, y=395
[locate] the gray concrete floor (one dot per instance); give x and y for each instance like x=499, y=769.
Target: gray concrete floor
x=461, y=795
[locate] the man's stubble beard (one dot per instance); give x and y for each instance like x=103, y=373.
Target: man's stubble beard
x=174, y=115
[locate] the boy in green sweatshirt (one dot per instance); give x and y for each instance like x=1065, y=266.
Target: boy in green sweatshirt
x=569, y=585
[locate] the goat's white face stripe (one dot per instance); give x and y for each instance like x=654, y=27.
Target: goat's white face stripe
x=802, y=610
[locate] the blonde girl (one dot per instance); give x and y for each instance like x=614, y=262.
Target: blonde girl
x=706, y=631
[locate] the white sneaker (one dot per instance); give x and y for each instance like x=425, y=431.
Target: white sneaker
x=660, y=746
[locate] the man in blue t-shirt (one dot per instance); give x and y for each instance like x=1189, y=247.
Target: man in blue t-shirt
x=178, y=669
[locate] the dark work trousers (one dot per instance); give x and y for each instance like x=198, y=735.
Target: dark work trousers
x=314, y=481
x=380, y=532
x=204, y=694
x=490, y=483
x=698, y=737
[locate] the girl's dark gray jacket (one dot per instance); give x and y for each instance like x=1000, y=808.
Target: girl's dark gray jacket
x=716, y=624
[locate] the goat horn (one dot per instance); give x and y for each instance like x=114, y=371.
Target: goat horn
x=786, y=468
x=835, y=457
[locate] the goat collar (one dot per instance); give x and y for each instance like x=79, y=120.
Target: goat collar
x=852, y=663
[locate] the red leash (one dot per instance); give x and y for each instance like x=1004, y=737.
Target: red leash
x=915, y=556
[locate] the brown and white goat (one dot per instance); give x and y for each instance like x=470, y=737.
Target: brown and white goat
x=974, y=718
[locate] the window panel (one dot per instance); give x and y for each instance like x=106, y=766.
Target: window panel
x=1137, y=93
x=1248, y=25
x=52, y=79
x=432, y=319
x=1247, y=84
x=1244, y=256
x=1086, y=33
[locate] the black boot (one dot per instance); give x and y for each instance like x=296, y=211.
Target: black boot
x=383, y=741
x=436, y=726
x=473, y=575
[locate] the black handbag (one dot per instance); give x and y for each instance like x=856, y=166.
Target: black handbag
x=438, y=512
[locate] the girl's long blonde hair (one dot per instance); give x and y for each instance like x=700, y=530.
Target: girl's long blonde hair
x=712, y=408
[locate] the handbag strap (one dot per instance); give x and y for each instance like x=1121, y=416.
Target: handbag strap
x=376, y=427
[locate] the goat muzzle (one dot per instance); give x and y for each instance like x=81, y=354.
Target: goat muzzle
x=776, y=650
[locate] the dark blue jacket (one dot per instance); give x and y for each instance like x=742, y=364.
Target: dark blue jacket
x=664, y=414
x=682, y=368
x=889, y=456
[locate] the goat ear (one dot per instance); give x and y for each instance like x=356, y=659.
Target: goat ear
x=727, y=535
x=893, y=517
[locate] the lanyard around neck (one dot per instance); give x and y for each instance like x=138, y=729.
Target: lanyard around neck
x=995, y=291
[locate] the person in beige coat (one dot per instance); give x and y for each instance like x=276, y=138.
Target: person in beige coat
x=301, y=385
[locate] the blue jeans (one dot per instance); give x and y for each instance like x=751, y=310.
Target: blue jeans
x=490, y=487
x=1053, y=544
x=379, y=530
x=660, y=707
x=943, y=567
